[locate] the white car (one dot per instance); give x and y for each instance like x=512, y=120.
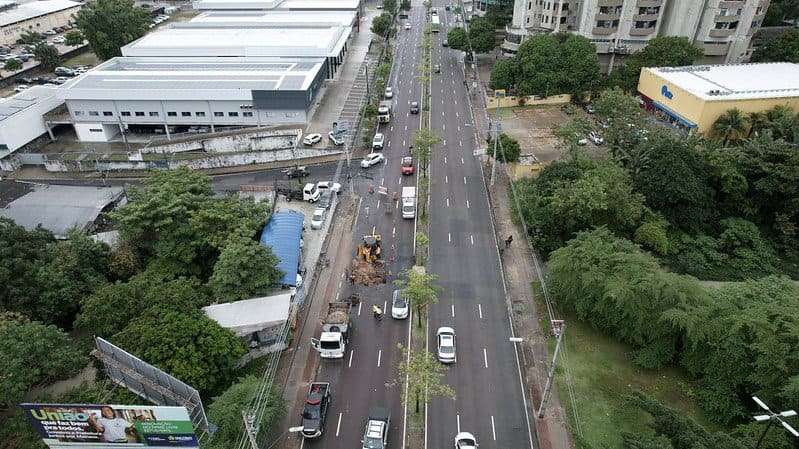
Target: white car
x=377, y=141
x=20, y=88
x=446, y=345
x=399, y=306
x=59, y=40
x=312, y=139
x=372, y=159
x=465, y=440
x=389, y=92
x=407, y=25
x=324, y=186
x=318, y=218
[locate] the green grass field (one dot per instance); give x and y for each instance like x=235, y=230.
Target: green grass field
x=86, y=58
x=602, y=375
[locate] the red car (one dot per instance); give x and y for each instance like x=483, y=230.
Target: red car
x=407, y=166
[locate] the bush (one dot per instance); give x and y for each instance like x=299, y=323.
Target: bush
x=225, y=410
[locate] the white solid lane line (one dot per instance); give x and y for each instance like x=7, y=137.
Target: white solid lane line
x=379, y=355
x=458, y=418
x=453, y=311
x=338, y=426
x=485, y=357
x=352, y=352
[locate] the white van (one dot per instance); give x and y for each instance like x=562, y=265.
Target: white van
x=408, y=202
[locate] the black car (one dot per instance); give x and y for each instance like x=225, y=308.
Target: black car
x=414, y=107
x=296, y=172
x=28, y=80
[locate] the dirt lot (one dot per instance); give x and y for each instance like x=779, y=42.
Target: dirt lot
x=534, y=128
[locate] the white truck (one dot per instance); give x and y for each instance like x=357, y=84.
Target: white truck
x=336, y=331
x=408, y=202
x=384, y=111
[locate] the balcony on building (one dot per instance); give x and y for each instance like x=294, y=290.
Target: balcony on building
x=610, y=3
x=710, y=48
x=643, y=28
x=649, y=3
x=732, y=5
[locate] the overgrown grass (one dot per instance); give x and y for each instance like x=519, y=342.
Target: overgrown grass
x=86, y=58
x=602, y=376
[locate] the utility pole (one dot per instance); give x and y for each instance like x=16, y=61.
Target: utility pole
x=773, y=417
x=499, y=93
x=558, y=327
x=248, y=427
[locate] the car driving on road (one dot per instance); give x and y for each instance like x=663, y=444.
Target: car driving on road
x=375, y=436
x=312, y=139
x=399, y=306
x=407, y=165
x=414, y=107
x=407, y=25
x=465, y=440
x=377, y=141
x=389, y=92
x=372, y=159
x=446, y=344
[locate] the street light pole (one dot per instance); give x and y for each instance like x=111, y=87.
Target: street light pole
x=773, y=417
x=557, y=329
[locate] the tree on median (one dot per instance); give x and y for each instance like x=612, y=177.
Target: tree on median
x=423, y=143
x=420, y=290
x=425, y=377
x=111, y=24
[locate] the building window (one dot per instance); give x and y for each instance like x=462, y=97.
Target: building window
x=125, y=113
x=233, y=114
x=200, y=114
x=153, y=114
x=247, y=114
x=94, y=113
x=139, y=113
x=185, y=114
x=95, y=130
x=108, y=113
x=219, y=114
x=77, y=113
x=172, y=113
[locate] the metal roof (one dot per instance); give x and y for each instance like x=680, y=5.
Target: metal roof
x=283, y=233
x=735, y=81
x=60, y=208
x=251, y=315
x=24, y=100
x=30, y=10
x=189, y=78
x=279, y=18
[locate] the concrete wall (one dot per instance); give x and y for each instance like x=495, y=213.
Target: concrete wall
x=531, y=100
x=95, y=132
x=11, y=33
x=251, y=141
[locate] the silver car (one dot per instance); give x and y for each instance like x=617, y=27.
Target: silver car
x=446, y=345
x=318, y=219
x=399, y=306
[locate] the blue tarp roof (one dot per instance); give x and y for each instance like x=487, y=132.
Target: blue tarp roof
x=282, y=233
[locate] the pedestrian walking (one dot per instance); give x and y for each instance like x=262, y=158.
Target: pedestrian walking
x=508, y=241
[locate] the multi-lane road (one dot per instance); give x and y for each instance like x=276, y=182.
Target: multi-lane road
x=490, y=401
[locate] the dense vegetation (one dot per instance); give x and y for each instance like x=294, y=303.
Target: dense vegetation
x=182, y=248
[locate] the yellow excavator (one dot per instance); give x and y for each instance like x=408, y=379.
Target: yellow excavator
x=369, y=249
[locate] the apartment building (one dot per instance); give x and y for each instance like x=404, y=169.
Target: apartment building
x=722, y=28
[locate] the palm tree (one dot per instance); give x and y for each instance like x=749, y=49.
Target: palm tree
x=758, y=121
x=730, y=125
x=781, y=121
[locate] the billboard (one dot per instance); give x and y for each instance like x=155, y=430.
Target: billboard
x=111, y=426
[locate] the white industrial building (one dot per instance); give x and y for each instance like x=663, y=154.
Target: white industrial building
x=36, y=16
x=168, y=92
x=289, y=5
x=21, y=117
x=279, y=18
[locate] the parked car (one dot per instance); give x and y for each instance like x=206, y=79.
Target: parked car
x=414, y=107
x=324, y=186
x=389, y=92
x=50, y=33
x=407, y=25
x=64, y=71
x=296, y=172
x=318, y=218
x=59, y=40
x=446, y=344
x=399, y=306
x=407, y=166
x=22, y=57
x=465, y=440
x=312, y=139
x=445, y=43
x=20, y=88
x=325, y=199
x=372, y=159
x=60, y=80
x=377, y=142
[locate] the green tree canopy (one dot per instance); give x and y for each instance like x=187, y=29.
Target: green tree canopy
x=662, y=51
x=114, y=306
x=503, y=74
x=390, y=5
x=458, y=39
x=32, y=353
x=176, y=221
x=47, y=55
x=783, y=48
x=481, y=35
x=188, y=345
x=12, y=65
x=420, y=289
x=22, y=254
x=730, y=126
x=554, y=64
x=74, y=38
x=111, y=24
x=382, y=24
x=508, y=149
x=244, y=270
x=425, y=377
x=781, y=11
x=423, y=142
x=30, y=38
x=225, y=410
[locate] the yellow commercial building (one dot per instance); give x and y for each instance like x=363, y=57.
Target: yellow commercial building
x=694, y=97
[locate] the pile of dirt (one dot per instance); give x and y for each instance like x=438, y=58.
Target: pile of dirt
x=365, y=273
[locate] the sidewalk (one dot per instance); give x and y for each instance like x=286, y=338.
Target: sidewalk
x=520, y=274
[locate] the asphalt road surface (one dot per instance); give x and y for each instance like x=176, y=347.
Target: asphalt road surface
x=367, y=375
x=489, y=396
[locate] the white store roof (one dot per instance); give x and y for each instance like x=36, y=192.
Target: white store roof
x=322, y=5
x=736, y=81
x=251, y=315
x=28, y=98
x=191, y=78
x=279, y=18
x=30, y=10
x=276, y=4
x=195, y=39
